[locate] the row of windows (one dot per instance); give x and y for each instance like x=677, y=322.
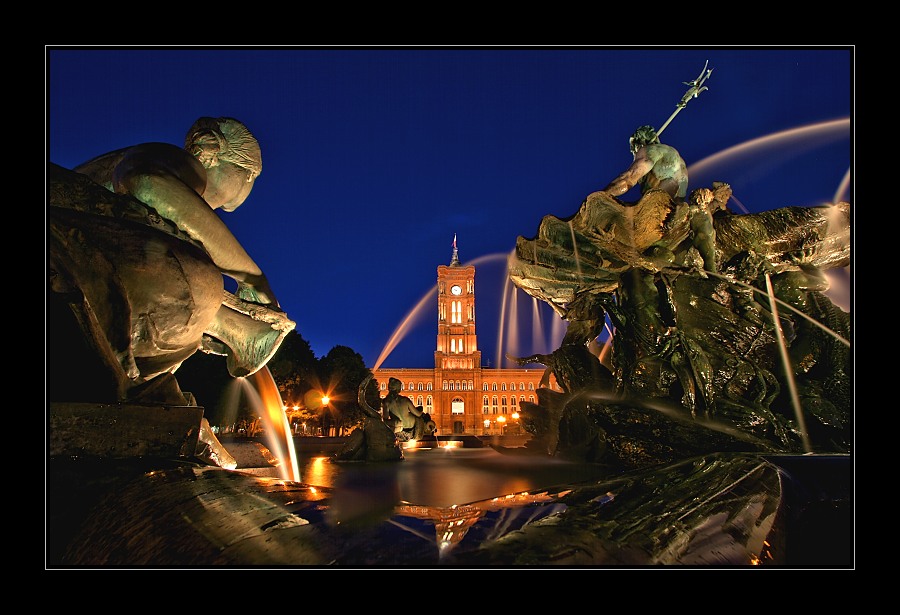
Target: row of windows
x=428, y=402
x=461, y=385
x=512, y=386
x=409, y=387
x=493, y=403
x=456, y=316
x=484, y=400
x=450, y=385
x=488, y=406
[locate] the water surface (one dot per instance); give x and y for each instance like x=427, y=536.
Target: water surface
x=444, y=476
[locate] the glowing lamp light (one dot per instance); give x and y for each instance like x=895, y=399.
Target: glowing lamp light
x=325, y=400
x=501, y=419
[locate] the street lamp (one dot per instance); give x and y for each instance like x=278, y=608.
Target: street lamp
x=501, y=419
x=326, y=416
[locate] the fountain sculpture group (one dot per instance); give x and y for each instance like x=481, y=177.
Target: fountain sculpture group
x=724, y=415
x=749, y=356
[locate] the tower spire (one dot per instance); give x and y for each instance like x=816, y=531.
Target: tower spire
x=454, y=260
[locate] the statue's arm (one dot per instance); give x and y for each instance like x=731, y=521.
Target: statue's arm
x=630, y=177
x=169, y=186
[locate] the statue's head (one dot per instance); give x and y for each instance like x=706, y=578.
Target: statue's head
x=216, y=140
x=394, y=385
x=645, y=135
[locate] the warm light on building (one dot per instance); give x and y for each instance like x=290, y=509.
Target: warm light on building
x=459, y=394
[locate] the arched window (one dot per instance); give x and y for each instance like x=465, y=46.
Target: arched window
x=521, y=386
x=484, y=404
x=419, y=387
x=484, y=386
x=428, y=386
x=493, y=386
x=471, y=385
x=530, y=386
x=531, y=398
x=502, y=386
x=429, y=402
x=494, y=405
x=513, y=401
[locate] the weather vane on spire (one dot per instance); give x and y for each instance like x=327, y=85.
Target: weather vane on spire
x=455, y=258
x=694, y=91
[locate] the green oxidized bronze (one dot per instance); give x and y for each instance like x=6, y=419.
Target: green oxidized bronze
x=695, y=364
x=136, y=259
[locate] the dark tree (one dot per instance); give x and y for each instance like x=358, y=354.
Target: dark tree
x=294, y=368
x=341, y=372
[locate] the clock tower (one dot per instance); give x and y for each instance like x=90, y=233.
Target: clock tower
x=457, y=346
x=457, y=360
x=461, y=396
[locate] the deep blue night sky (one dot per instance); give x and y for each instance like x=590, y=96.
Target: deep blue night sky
x=373, y=158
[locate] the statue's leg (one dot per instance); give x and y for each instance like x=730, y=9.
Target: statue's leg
x=141, y=297
x=79, y=273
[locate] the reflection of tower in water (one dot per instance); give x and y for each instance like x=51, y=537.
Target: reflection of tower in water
x=453, y=522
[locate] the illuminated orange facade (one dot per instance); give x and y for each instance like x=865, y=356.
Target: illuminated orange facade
x=461, y=396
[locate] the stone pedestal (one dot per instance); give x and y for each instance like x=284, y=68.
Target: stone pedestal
x=123, y=430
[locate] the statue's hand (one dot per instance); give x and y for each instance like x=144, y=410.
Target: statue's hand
x=257, y=291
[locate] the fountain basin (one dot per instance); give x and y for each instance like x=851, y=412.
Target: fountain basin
x=718, y=510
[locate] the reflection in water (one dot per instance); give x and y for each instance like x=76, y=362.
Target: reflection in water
x=445, y=476
x=318, y=471
x=451, y=523
x=438, y=494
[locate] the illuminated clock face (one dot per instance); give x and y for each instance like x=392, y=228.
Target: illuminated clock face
x=455, y=289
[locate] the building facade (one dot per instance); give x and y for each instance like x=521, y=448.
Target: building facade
x=462, y=397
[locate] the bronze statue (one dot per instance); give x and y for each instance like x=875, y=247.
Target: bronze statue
x=137, y=253
x=689, y=289
x=655, y=167
x=408, y=420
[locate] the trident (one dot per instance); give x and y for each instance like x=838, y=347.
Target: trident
x=693, y=92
